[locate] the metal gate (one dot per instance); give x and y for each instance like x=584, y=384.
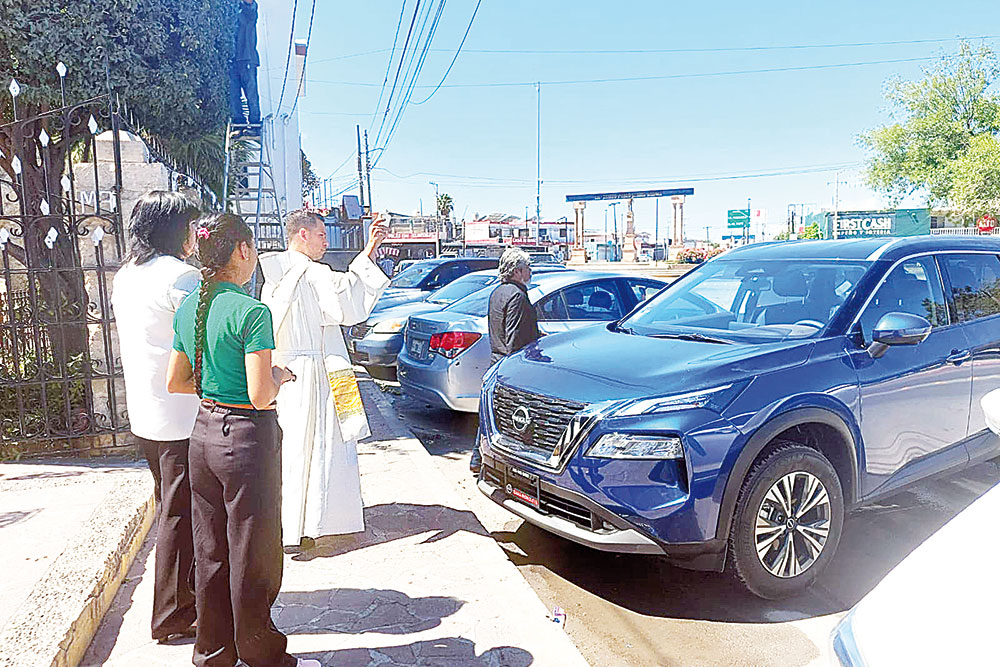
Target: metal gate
x=61, y=238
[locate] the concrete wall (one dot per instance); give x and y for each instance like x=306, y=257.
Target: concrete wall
x=273, y=28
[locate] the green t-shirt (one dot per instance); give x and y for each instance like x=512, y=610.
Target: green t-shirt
x=237, y=325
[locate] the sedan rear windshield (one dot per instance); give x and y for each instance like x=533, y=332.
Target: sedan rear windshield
x=752, y=301
x=460, y=288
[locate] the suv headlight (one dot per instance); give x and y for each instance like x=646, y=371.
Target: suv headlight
x=628, y=446
x=717, y=397
x=389, y=326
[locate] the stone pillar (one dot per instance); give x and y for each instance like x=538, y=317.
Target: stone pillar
x=579, y=253
x=628, y=247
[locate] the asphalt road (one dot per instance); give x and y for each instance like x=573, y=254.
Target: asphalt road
x=638, y=610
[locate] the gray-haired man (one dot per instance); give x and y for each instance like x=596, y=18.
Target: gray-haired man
x=512, y=319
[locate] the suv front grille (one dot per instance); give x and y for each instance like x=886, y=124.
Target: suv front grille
x=549, y=503
x=547, y=417
x=360, y=330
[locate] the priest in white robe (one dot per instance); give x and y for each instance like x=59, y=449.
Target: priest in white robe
x=320, y=413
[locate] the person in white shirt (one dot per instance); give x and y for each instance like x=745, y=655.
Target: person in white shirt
x=147, y=290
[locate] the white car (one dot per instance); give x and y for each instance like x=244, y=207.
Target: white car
x=941, y=605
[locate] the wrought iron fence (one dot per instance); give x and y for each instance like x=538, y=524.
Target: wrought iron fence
x=61, y=386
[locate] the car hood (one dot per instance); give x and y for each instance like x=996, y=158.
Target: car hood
x=594, y=364
x=938, y=606
x=396, y=296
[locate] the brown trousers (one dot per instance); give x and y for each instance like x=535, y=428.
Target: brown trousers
x=235, y=460
x=173, y=590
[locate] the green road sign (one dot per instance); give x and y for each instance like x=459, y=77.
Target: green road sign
x=738, y=218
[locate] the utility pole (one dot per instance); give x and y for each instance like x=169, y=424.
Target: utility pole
x=361, y=173
x=656, y=232
x=746, y=227
x=437, y=218
x=708, y=239
x=368, y=174
x=538, y=157
x=614, y=217
x=605, y=244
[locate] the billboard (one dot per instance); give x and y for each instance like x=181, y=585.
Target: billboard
x=866, y=224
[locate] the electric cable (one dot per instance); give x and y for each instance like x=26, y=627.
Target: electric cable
x=288, y=58
x=458, y=51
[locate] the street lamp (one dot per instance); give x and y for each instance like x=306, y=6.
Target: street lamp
x=437, y=219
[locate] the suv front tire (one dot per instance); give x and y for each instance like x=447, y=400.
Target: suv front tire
x=789, y=517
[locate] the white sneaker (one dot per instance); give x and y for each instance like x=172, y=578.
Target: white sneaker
x=308, y=663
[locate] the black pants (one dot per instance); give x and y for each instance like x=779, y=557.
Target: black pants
x=235, y=459
x=173, y=591
x=243, y=81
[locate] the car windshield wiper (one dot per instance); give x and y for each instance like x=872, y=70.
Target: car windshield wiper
x=625, y=330
x=697, y=337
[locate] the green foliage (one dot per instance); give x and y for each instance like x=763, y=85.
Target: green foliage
x=944, y=141
x=310, y=181
x=166, y=58
x=445, y=205
x=811, y=232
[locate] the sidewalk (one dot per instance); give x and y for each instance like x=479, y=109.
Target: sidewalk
x=424, y=585
x=69, y=530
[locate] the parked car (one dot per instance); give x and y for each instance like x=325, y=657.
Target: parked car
x=938, y=606
x=734, y=418
x=446, y=353
x=376, y=342
x=423, y=277
x=543, y=258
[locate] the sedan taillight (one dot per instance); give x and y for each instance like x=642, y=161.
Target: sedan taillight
x=453, y=343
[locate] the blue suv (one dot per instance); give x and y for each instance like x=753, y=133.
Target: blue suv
x=729, y=422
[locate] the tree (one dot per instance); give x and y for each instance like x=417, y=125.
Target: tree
x=445, y=205
x=310, y=181
x=167, y=59
x=944, y=141
x=811, y=232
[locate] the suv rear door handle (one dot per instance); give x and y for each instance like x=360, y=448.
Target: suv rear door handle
x=958, y=356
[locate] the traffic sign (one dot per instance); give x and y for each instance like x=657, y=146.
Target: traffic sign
x=738, y=218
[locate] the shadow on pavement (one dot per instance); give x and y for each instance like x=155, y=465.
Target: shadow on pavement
x=451, y=651
x=353, y=611
x=385, y=523
x=876, y=538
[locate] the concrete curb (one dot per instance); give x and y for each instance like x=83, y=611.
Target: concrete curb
x=56, y=624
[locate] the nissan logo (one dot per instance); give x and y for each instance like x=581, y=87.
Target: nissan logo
x=521, y=419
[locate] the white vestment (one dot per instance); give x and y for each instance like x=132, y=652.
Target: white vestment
x=309, y=302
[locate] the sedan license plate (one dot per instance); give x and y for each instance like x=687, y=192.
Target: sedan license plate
x=522, y=486
x=417, y=348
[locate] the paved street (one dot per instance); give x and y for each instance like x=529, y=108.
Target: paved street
x=637, y=610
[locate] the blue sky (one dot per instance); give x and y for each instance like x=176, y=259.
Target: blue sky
x=478, y=143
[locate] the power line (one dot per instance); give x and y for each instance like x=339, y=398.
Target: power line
x=725, y=49
x=388, y=66
x=288, y=58
x=657, y=77
x=302, y=75
x=458, y=51
x=416, y=74
x=399, y=68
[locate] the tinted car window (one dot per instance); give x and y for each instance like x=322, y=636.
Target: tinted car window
x=596, y=301
x=552, y=308
x=643, y=289
x=412, y=276
x=975, y=284
x=912, y=287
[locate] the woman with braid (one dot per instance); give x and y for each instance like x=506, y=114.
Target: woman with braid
x=223, y=340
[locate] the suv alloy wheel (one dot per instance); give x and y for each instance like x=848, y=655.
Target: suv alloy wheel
x=788, y=522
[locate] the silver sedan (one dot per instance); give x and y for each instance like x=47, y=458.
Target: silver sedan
x=445, y=354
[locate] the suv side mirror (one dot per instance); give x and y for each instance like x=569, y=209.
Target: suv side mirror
x=898, y=329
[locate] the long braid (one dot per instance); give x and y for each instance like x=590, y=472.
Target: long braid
x=201, y=323
x=218, y=235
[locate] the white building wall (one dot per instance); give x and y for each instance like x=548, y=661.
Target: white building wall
x=274, y=25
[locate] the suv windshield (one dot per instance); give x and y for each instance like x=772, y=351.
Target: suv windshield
x=750, y=301
x=412, y=276
x=462, y=287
